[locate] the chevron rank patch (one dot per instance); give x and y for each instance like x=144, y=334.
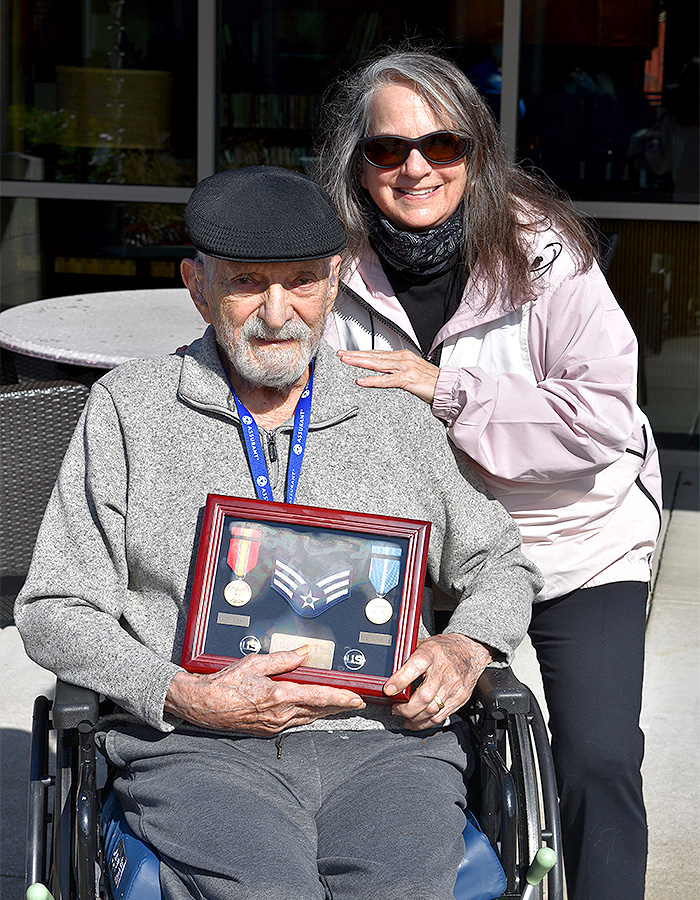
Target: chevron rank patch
x=309, y=598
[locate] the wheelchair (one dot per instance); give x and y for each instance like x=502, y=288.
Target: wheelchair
x=80, y=847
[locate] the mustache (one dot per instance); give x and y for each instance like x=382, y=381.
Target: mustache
x=290, y=331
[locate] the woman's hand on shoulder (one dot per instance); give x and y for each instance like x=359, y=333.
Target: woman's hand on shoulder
x=398, y=369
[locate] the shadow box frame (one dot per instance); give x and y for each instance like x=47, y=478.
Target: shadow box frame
x=331, y=522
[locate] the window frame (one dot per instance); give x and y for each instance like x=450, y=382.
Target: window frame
x=208, y=17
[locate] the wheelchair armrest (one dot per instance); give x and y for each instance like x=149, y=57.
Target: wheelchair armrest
x=74, y=705
x=500, y=693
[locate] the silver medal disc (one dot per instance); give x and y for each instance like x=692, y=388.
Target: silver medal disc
x=237, y=593
x=354, y=659
x=250, y=644
x=379, y=611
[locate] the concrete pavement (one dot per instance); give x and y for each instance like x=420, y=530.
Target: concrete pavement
x=670, y=716
x=671, y=710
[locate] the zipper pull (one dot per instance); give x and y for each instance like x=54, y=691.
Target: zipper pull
x=271, y=448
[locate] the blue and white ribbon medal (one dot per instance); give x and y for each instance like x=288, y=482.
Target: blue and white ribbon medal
x=384, y=569
x=254, y=448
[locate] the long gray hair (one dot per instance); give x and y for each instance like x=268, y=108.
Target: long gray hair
x=502, y=201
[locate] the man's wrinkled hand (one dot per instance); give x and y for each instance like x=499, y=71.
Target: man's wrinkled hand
x=243, y=696
x=449, y=666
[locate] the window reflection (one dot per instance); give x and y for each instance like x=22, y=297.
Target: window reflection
x=611, y=98
x=671, y=145
x=93, y=91
x=278, y=58
x=108, y=246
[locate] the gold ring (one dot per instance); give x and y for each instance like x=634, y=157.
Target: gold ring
x=439, y=702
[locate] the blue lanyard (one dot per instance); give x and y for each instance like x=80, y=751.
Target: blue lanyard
x=254, y=448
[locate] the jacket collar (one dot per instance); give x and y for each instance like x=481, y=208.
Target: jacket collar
x=367, y=278
x=203, y=383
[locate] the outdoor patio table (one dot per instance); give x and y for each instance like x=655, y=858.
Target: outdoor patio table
x=102, y=329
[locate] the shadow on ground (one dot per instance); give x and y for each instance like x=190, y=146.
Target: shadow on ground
x=14, y=752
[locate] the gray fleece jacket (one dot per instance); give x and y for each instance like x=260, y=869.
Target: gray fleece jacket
x=105, y=602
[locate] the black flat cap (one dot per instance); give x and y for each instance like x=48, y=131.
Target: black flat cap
x=265, y=214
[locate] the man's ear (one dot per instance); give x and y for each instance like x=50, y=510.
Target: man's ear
x=333, y=280
x=188, y=271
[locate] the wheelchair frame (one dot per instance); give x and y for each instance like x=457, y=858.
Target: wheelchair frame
x=512, y=792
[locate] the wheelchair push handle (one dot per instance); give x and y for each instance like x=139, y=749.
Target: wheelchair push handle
x=38, y=891
x=544, y=860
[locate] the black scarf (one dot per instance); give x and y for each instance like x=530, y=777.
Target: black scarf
x=418, y=252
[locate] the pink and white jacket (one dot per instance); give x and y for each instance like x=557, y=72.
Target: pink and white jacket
x=543, y=401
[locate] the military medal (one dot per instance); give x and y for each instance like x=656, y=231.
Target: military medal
x=384, y=569
x=379, y=611
x=237, y=593
x=242, y=557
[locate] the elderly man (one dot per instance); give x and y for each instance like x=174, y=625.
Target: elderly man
x=250, y=787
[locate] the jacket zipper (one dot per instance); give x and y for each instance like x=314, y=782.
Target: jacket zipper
x=271, y=447
x=272, y=457
x=638, y=479
x=382, y=318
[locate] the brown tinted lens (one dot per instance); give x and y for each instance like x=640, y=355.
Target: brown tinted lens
x=444, y=147
x=390, y=151
x=387, y=151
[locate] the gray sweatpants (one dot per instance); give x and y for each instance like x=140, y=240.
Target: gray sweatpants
x=372, y=815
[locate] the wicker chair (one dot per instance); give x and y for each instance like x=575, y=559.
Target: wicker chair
x=18, y=367
x=37, y=420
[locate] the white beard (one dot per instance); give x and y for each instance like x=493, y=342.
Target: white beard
x=272, y=367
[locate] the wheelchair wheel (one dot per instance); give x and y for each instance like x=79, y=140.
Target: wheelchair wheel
x=513, y=789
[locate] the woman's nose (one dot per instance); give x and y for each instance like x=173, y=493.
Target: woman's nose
x=416, y=165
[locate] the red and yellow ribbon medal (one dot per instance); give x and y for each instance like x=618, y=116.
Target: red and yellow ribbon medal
x=242, y=557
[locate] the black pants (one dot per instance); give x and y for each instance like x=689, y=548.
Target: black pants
x=590, y=646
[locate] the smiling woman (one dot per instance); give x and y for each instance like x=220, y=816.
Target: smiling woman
x=473, y=285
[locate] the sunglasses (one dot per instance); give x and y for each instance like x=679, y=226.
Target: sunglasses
x=387, y=151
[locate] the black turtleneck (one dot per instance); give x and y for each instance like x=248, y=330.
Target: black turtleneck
x=429, y=300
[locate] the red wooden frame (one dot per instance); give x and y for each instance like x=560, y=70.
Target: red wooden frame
x=218, y=506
